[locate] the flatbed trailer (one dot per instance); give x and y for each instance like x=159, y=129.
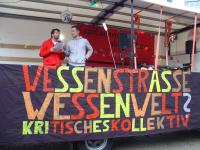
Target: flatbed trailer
x=92, y=104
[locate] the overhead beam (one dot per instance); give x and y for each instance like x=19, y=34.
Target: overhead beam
x=151, y=18
x=141, y=24
x=94, y=8
x=185, y=29
x=145, y=17
x=149, y=9
x=29, y=9
x=64, y=4
x=34, y=18
x=110, y=10
x=74, y=14
x=42, y=10
x=19, y=46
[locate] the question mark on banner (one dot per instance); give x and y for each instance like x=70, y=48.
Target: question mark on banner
x=185, y=107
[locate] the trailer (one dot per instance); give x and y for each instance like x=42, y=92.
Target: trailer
x=91, y=106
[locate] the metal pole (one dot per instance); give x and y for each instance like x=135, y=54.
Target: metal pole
x=133, y=60
x=111, y=51
x=194, y=41
x=132, y=34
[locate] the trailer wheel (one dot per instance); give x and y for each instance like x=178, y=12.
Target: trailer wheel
x=105, y=144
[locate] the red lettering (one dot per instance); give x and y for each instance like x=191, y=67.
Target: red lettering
x=118, y=81
x=164, y=109
x=185, y=120
x=178, y=121
x=78, y=106
x=55, y=124
x=68, y=126
x=114, y=125
x=92, y=106
x=171, y=119
x=176, y=95
x=47, y=80
x=30, y=87
x=62, y=124
x=142, y=80
x=131, y=72
x=124, y=127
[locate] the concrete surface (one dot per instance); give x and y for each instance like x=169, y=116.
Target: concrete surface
x=173, y=141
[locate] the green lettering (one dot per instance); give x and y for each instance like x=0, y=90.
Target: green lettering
x=167, y=72
x=154, y=80
x=105, y=106
x=96, y=126
x=27, y=127
x=124, y=105
x=62, y=80
x=76, y=78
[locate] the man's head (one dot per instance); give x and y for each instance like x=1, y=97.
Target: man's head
x=75, y=31
x=55, y=34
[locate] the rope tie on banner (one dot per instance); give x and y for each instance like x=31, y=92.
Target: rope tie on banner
x=158, y=39
x=137, y=20
x=167, y=55
x=168, y=25
x=194, y=40
x=135, y=58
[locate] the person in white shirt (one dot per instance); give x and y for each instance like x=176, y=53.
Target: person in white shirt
x=78, y=49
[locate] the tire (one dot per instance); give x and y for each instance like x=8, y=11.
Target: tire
x=105, y=144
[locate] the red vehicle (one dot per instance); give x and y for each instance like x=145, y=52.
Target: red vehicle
x=91, y=106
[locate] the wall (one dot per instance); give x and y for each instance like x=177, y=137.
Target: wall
x=178, y=51
x=161, y=60
x=178, y=56
x=18, y=31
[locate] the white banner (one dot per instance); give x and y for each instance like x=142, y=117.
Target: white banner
x=187, y=5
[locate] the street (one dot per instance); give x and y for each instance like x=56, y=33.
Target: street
x=173, y=141
x=187, y=140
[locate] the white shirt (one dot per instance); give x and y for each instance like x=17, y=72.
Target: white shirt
x=54, y=43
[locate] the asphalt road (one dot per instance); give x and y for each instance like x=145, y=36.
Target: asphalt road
x=173, y=141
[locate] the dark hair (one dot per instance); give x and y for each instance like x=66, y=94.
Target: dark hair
x=76, y=27
x=54, y=30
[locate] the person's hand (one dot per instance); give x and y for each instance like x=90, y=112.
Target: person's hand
x=61, y=51
x=56, y=50
x=52, y=49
